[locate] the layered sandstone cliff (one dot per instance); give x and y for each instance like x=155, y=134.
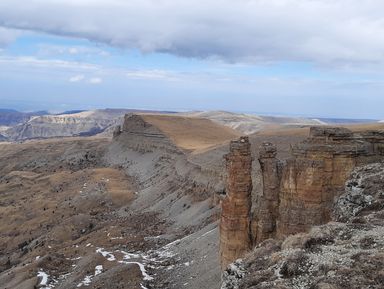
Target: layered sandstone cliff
x=267, y=204
x=300, y=192
x=235, y=222
x=345, y=253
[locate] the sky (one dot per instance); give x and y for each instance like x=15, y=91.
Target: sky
x=311, y=58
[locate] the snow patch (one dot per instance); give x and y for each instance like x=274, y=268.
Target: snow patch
x=110, y=257
x=142, y=269
x=98, y=269
x=86, y=281
x=44, y=280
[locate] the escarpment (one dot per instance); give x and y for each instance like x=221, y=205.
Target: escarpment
x=345, y=253
x=298, y=193
x=142, y=136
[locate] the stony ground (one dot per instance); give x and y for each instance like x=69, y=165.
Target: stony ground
x=73, y=218
x=93, y=213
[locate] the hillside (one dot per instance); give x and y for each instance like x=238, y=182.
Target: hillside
x=68, y=124
x=10, y=117
x=248, y=124
x=17, y=126
x=131, y=212
x=192, y=133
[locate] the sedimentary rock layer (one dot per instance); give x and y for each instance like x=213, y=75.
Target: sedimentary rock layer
x=235, y=239
x=296, y=195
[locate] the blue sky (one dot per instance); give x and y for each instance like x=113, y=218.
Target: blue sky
x=277, y=57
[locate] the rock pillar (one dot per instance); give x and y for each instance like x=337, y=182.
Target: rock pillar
x=267, y=207
x=235, y=239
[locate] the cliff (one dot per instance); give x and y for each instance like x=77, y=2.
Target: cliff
x=299, y=193
x=236, y=205
x=345, y=253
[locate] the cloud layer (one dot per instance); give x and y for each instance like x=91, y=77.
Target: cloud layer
x=7, y=36
x=321, y=31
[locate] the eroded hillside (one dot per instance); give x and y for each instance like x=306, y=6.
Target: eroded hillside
x=132, y=212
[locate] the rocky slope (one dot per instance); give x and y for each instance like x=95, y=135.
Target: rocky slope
x=10, y=117
x=345, y=253
x=76, y=124
x=132, y=212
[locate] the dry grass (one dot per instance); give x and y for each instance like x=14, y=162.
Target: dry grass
x=364, y=127
x=192, y=133
x=281, y=130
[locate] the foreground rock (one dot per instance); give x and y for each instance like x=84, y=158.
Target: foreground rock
x=236, y=205
x=296, y=194
x=345, y=253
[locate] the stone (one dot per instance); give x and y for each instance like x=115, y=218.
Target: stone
x=297, y=194
x=235, y=219
x=267, y=207
x=116, y=131
x=315, y=175
x=323, y=258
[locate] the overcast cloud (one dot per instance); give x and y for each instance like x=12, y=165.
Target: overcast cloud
x=7, y=36
x=321, y=31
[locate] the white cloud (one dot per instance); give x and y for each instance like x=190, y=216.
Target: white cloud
x=33, y=62
x=7, y=36
x=95, y=80
x=83, y=71
x=154, y=74
x=54, y=50
x=76, y=78
x=322, y=31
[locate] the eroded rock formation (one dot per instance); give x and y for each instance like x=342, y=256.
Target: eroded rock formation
x=317, y=173
x=297, y=194
x=267, y=207
x=343, y=254
x=142, y=136
x=235, y=239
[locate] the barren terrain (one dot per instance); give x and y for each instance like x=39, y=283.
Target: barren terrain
x=137, y=211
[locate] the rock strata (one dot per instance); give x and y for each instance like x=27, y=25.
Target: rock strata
x=267, y=207
x=235, y=239
x=298, y=193
x=311, y=179
x=344, y=254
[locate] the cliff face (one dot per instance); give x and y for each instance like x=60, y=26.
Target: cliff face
x=315, y=175
x=77, y=124
x=346, y=253
x=267, y=207
x=235, y=238
x=311, y=179
x=300, y=193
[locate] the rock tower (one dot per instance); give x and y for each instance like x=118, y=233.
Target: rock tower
x=297, y=194
x=235, y=237
x=267, y=207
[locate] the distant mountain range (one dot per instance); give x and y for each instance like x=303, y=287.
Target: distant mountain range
x=9, y=117
x=18, y=126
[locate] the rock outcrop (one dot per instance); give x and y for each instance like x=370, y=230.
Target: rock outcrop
x=300, y=192
x=267, y=207
x=86, y=123
x=142, y=136
x=235, y=221
x=311, y=179
x=343, y=254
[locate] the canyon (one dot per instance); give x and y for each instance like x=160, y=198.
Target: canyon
x=170, y=200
